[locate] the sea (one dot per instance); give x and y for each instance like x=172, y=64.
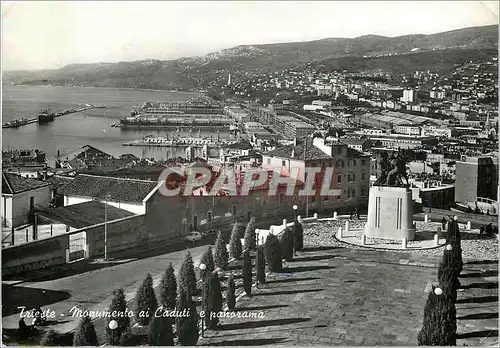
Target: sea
x=92, y=127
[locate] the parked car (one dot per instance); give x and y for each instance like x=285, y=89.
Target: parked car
x=194, y=236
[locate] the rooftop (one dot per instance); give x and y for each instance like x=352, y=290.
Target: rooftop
x=117, y=189
x=300, y=152
x=13, y=183
x=84, y=214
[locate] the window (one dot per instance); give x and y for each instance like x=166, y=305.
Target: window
x=362, y=194
x=363, y=176
x=351, y=177
x=268, y=161
x=340, y=164
x=195, y=222
x=233, y=209
x=339, y=150
x=349, y=193
x=313, y=199
x=353, y=193
x=349, y=163
x=209, y=216
x=283, y=163
x=327, y=198
x=354, y=163
x=282, y=197
x=32, y=203
x=339, y=178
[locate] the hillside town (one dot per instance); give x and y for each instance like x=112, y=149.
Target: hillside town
x=317, y=200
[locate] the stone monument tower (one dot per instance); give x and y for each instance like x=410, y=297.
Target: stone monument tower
x=390, y=205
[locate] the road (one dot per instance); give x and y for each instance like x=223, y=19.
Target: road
x=89, y=290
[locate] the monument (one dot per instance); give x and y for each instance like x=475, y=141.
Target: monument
x=390, y=205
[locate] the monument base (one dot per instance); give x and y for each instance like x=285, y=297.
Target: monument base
x=390, y=213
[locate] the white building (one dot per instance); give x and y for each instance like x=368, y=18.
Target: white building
x=126, y=194
x=409, y=96
x=20, y=196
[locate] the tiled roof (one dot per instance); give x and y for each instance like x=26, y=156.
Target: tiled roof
x=59, y=182
x=83, y=214
x=13, y=183
x=118, y=189
x=311, y=152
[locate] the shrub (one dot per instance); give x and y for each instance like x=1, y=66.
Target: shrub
x=145, y=301
x=260, y=265
x=127, y=339
x=208, y=259
x=250, y=237
x=434, y=330
x=230, y=293
x=272, y=251
x=85, y=334
x=247, y=272
x=118, y=304
x=221, y=257
x=187, y=277
x=235, y=248
x=186, y=327
x=298, y=235
x=50, y=338
x=212, y=299
x=286, y=244
x=160, y=332
x=168, y=289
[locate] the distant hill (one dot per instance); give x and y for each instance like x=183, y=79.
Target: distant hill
x=402, y=53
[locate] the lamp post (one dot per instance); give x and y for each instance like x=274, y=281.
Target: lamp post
x=106, y=227
x=202, y=267
x=293, y=229
x=113, y=325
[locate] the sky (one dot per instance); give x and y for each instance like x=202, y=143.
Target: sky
x=50, y=35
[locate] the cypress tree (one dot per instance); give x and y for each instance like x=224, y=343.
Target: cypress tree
x=145, y=301
x=298, y=234
x=235, y=248
x=119, y=306
x=208, y=259
x=286, y=243
x=260, y=265
x=212, y=300
x=168, y=289
x=50, y=338
x=160, y=331
x=250, y=238
x=230, y=293
x=454, y=232
x=187, y=276
x=433, y=332
x=85, y=334
x=273, y=254
x=186, y=327
x=247, y=272
x=221, y=257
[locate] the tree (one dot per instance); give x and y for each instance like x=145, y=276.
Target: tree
x=186, y=327
x=221, y=257
x=235, y=248
x=119, y=307
x=298, y=234
x=455, y=241
x=286, y=244
x=208, y=259
x=50, y=338
x=85, y=334
x=127, y=339
x=433, y=332
x=272, y=251
x=160, y=332
x=230, y=293
x=212, y=300
x=187, y=277
x=250, y=238
x=168, y=289
x=145, y=300
x=260, y=265
x=247, y=272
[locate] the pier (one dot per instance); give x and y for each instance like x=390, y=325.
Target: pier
x=182, y=142
x=22, y=122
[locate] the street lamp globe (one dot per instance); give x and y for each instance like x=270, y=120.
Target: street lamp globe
x=203, y=266
x=113, y=324
x=295, y=207
x=449, y=247
x=438, y=291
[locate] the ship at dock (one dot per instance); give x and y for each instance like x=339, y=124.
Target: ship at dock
x=45, y=116
x=15, y=123
x=194, y=142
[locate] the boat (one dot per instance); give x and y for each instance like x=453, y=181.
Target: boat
x=45, y=116
x=15, y=123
